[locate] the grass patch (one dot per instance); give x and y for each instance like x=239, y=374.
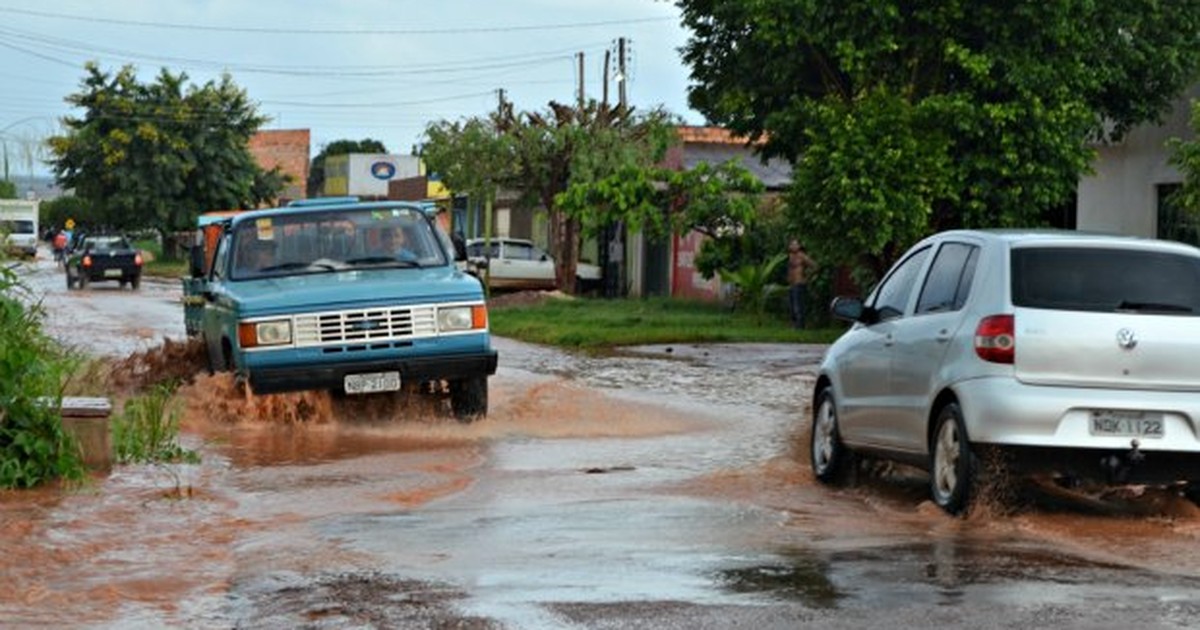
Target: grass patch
x=155, y=264
x=596, y=324
x=148, y=430
x=166, y=268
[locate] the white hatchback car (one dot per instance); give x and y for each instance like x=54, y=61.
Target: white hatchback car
x=515, y=263
x=1063, y=352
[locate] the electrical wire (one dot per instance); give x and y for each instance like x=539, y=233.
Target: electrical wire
x=290, y=31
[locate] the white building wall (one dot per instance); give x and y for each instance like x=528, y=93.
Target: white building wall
x=1121, y=196
x=369, y=173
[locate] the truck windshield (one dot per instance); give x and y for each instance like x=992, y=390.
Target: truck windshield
x=20, y=226
x=334, y=240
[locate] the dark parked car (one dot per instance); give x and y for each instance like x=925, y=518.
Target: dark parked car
x=98, y=258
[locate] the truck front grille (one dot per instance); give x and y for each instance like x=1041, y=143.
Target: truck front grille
x=364, y=326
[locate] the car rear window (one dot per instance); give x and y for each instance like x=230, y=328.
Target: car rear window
x=1106, y=280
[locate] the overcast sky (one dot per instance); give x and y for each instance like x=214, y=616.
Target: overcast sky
x=350, y=69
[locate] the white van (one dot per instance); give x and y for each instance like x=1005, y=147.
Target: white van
x=19, y=225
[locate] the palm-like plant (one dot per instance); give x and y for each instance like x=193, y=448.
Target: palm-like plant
x=754, y=285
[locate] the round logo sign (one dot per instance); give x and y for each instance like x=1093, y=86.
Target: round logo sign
x=383, y=170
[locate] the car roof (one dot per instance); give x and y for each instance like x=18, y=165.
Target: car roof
x=1016, y=237
x=313, y=206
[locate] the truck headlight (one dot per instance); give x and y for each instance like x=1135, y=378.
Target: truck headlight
x=455, y=318
x=268, y=333
x=462, y=318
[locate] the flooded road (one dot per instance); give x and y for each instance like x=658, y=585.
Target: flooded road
x=657, y=487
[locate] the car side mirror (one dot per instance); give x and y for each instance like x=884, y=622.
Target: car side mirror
x=852, y=309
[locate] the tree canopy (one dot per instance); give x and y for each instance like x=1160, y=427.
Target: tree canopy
x=316, y=172
x=542, y=154
x=903, y=118
x=155, y=155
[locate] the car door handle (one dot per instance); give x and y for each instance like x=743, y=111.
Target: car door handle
x=943, y=335
x=888, y=340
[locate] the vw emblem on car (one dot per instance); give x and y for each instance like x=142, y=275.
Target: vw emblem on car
x=1126, y=339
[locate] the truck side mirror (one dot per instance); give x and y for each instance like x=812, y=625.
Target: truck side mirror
x=460, y=246
x=197, y=261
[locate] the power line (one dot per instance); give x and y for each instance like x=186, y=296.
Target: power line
x=278, y=30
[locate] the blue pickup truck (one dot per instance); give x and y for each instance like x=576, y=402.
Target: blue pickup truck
x=353, y=297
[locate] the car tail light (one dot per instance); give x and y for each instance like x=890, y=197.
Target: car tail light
x=87, y=261
x=996, y=339
x=137, y=259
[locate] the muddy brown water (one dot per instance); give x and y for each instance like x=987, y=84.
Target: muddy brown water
x=662, y=486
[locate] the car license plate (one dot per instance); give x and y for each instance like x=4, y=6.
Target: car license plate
x=112, y=273
x=371, y=382
x=1126, y=423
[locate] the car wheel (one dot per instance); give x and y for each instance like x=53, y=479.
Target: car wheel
x=70, y=281
x=832, y=462
x=952, y=466
x=83, y=281
x=135, y=282
x=469, y=398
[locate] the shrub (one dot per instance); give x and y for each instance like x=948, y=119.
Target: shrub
x=34, y=448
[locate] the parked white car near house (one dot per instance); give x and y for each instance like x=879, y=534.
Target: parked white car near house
x=515, y=263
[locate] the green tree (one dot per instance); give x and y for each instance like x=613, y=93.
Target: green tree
x=316, y=172
x=155, y=155
x=1185, y=154
x=903, y=118
x=542, y=154
x=8, y=190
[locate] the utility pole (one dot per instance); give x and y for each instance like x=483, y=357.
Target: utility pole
x=622, y=79
x=582, y=94
x=607, y=57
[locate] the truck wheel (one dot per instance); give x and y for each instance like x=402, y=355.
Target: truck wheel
x=469, y=398
x=70, y=282
x=135, y=282
x=83, y=281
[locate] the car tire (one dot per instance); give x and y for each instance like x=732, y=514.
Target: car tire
x=953, y=469
x=135, y=282
x=832, y=462
x=469, y=398
x=83, y=281
x=70, y=281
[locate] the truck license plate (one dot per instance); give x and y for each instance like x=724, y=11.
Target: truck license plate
x=1126, y=423
x=371, y=382
x=112, y=273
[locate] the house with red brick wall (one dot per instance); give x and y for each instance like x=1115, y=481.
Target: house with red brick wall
x=667, y=268
x=289, y=150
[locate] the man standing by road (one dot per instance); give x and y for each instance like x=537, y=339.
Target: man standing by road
x=800, y=265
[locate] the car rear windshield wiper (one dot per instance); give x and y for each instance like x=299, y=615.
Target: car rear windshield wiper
x=1153, y=307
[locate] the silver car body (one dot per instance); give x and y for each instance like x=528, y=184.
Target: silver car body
x=1092, y=380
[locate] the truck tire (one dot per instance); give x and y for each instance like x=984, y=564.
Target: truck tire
x=70, y=281
x=135, y=282
x=469, y=398
x=83, y=280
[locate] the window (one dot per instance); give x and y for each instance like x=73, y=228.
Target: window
x=892, y=296
x=518, y=251
x=949, y=279
x=1105, y=280
x=1175, y=224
